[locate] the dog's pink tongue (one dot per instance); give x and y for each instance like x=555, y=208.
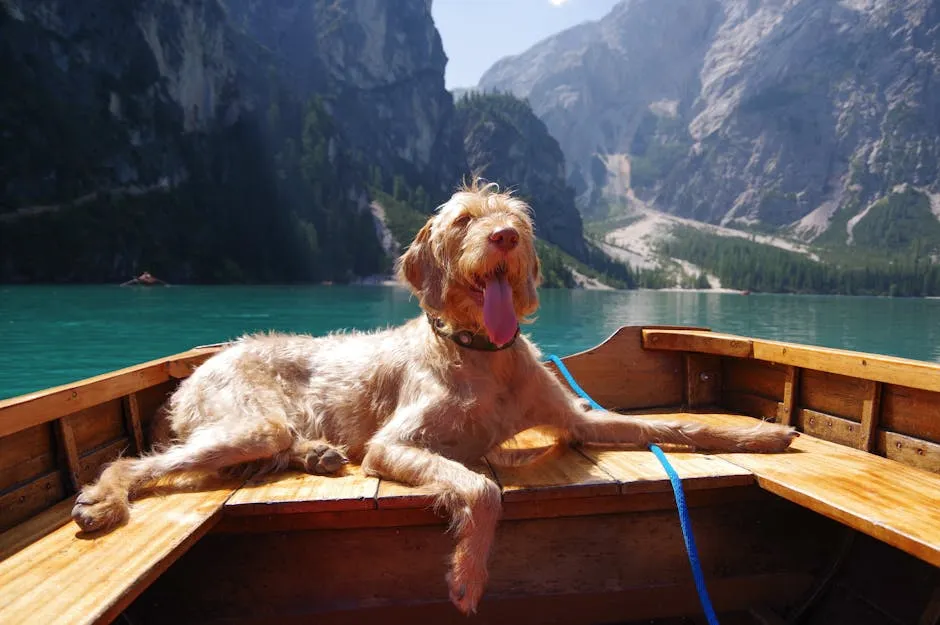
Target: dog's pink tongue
x=499, y=316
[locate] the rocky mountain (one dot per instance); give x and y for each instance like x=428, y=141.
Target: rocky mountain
x=213, y=140
x=816, y=117
x=506, y=143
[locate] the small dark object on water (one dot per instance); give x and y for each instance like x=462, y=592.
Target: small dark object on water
x=145, y=279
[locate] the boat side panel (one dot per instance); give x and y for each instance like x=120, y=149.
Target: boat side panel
x=42, y=465
x=26, y=455
x=741, y=375
x=911, y=411
x=620, y=375
x=834, y=394
x=750, y=554
x=884, y=405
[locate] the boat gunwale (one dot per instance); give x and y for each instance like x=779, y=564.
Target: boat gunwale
x=31, y=409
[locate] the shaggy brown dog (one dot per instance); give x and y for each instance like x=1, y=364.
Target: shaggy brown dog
x=414, y=403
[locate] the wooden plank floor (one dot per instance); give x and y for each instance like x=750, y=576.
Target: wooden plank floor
x=67, y=577
x=298, y=492
x=571, y=474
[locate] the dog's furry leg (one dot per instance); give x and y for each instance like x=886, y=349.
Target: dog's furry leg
x=472, y=501
x=105, y=503
x=606, y=427
x=553, y=404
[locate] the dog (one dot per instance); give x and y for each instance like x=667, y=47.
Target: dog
x=415, y=403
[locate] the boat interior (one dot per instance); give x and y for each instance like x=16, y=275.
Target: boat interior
x=842, y=528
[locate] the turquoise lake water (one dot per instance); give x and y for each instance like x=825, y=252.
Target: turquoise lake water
x=51, y=335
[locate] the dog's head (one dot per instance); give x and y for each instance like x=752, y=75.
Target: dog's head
x=474, y=265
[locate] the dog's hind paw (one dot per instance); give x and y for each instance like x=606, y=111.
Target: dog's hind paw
x=768, y=438
x=318, y=457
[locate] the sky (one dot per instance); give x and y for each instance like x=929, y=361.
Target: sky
x=477, y=33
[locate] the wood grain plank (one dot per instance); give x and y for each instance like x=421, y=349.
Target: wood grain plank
x=19, y=413
x=871, y=410
x=149, y=401
x=91, y=462
x=834, y=394
x=388, y=566
x=133, y=422
x=395, y=495
x=512, y=510
x=619, y=374
x=31, y=498
x=643, y=604
x=828, y=427
x=69, y=451
x=26, y=455
x=70, y=578
x=910, y=411
x=745, y=375
x=909, y=450
x=887, y=369
x=703, y=380
x=754, y=405
x=892, y=502
x=697, y=341
x=641, y=472
x=568, y=474
x=791, y=395
x=19, y=536
x=293, y=491
x=98, y=425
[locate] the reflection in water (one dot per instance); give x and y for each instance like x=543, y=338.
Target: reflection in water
x=53, y=335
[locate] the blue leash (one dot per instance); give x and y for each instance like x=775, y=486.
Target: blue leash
x=685, y=520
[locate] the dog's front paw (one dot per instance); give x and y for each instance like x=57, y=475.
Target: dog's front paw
x=320, y=458
x=95, y=511
x=768, y=438
x=466, y=590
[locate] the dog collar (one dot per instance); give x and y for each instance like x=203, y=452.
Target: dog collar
x=468, y=339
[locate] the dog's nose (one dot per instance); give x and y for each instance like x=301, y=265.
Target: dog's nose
x=506, y=239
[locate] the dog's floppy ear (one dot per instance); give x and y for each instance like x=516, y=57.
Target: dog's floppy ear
x=420, y=270
x=411, y=264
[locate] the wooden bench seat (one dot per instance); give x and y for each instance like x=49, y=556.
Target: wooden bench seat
x=52, y=574
x=887, y=500
x=591, y=477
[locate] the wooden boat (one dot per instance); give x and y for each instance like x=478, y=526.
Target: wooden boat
x=145, y=279
x=844, y=528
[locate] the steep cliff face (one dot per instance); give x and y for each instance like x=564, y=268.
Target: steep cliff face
x=212, y=139
x=796, y=113
x=508, y=144
x=380, y=67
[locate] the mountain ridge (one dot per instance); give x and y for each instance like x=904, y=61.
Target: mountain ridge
x=792, y=115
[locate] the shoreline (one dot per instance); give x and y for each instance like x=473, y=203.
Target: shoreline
x=390, y=282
